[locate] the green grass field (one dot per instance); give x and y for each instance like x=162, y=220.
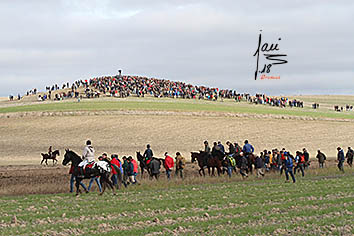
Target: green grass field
x=321, y=203
x=159, y=104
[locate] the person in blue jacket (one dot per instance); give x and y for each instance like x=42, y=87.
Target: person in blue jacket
x=340, y=159
x=289, y=165
x=247, y=148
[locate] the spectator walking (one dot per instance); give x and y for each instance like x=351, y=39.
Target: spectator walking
x=168, y=165
x=180, y=165
x=259, y=165
x=300, y=161
x=307, y=158
x=289, y=164
x=340, y=159
x=349, y=156
x=321, y=158
x=130, y=171
x=155, y=168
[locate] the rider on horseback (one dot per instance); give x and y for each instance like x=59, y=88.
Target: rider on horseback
x=50, y=151
x=88, y=155
x=148, y=154
x=247, y=149
x=232, y=150
x=206, y=147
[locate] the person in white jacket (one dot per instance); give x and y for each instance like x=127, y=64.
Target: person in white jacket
x=88, y=155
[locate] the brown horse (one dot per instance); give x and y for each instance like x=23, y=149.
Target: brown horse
x=53, y=157
x=205, y=160
x=251, y=159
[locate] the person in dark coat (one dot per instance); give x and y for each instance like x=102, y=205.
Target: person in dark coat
x=340, y=159
x=349, y=156
x=148, y=154
x=259, y=166
x=155, y=166
x=321, y=158
x=307, y=158
x=125, y=171
x=232, y=149
x=244, y=166
x=222, y=148
x=289, y=165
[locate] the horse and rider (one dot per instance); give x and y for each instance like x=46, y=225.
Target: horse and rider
x=86, y=168
x=242, y=158
x=50, y=156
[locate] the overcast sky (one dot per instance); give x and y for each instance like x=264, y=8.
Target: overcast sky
x=201, y=42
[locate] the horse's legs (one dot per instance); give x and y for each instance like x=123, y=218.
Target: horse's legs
x=209, y=171
x=42, y=161
x=103, y=184
x=77, y=184
x=110, y=184
x=142, y=172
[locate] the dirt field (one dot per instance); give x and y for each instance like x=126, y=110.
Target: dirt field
x=23, y=139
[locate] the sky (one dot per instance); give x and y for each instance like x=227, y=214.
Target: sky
x=206, y=42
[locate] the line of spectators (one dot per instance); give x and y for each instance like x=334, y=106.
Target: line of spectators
x=125, y=85
x=274, y=101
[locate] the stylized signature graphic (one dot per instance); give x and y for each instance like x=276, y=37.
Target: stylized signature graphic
x=266, y=49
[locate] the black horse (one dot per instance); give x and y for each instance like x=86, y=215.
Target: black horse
x=89, y=173
x=142, y=164
x=53, y=157
x=206, y=160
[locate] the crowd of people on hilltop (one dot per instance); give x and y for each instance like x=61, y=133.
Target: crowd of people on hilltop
x=125, y=85
x=282, y=161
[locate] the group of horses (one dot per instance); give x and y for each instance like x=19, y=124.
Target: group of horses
x=214, y=160
x=218, y=160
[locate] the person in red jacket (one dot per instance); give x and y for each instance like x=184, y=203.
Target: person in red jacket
x=114, y=162
x=168, y=165
x=135, y=164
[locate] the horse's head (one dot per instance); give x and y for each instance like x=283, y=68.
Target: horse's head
x=67, y=157
x=56, y=152
x=139, y=156
x=194, y=156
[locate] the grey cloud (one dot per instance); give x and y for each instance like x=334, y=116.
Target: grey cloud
x=200, y=42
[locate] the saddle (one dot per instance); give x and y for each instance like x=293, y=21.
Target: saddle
x=86, y=169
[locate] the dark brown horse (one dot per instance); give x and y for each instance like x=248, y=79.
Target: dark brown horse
x=206, y=160
x=53, y=157
x=142, y=164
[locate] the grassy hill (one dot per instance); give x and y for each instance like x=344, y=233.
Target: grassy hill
x=167, y=104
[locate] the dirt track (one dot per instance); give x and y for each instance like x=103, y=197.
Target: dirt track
x=37, y=179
